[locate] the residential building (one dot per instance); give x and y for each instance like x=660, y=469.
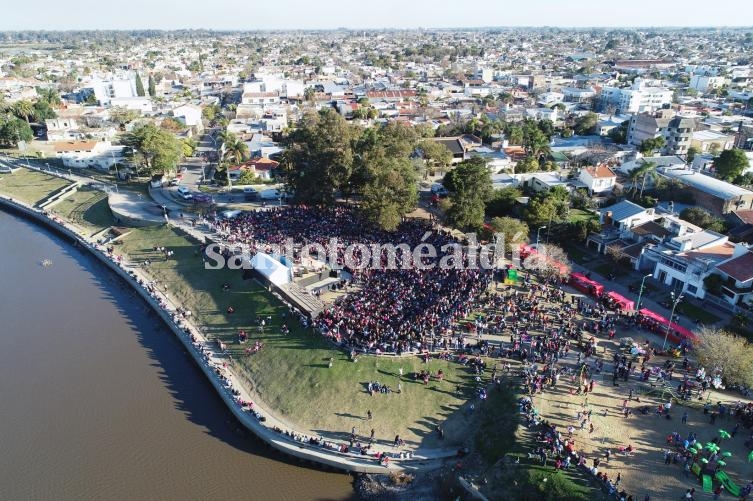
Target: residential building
x=715, y=195
x=82, y=154
x=703, y=83
x=190, y=115
x=737, y=276
x=676, y=130
x=704, y=141
x=636, y=99
x=599, y=179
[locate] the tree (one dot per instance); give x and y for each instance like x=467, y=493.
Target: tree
x=436, y=155
x=730, y=164
x=619, y=133
x=157, y=149
x=649, y=146
x=390, y=191
x=189, y=146
x=730, y=355
x=472, y=190
x=236, y=151
x=585, y=125
x=172, y=124
x=210, y=112
x=13, y=130
x=528, y=164
x=692, y=152
x=120, y=115
x=503, y=201
x=514, y=230
x=319, y=159
x=23, y=109
x=703, y=218
x=139, y=86
x=43, y=111
x=550, y=261
x=644, y=172
x=152, y=89
x=49, y=96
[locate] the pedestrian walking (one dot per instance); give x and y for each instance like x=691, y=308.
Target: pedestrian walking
x=685, y=417
x=368, y=415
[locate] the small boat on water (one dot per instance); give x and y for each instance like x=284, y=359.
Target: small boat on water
x=46, y=263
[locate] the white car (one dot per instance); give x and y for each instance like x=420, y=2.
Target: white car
x=185, y=193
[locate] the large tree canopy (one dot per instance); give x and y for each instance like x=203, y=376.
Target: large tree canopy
x=157, y=150
x=471, y=187
x=328, y=157
x=730, y=164
x=320, y=156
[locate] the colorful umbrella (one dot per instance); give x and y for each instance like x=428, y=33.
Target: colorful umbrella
x=724, y=434
x=704, y=460
x=750, y=456
x=726, y=454
x=721, y=463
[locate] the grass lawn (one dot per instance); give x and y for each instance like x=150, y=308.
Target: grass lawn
x=291, y=373
x=87, y=208
x=697, y=313
x=575, y=253
x=30, y=186
x=580, y=215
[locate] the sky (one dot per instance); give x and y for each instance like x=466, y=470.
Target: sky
x=355, y=14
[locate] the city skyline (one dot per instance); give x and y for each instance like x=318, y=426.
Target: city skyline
x=332, y=14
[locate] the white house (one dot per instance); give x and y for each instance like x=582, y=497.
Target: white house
x=190, y=115
x=82, y=154
x=598, y=179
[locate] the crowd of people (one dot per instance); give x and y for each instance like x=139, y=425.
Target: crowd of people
x=390, y=308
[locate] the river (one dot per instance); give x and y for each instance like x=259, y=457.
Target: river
x=100, y=401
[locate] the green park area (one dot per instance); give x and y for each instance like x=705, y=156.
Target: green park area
x=87, y=208
x=291, y=373
x=30, y=186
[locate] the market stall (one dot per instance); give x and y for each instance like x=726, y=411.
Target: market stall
x=620, y=302
x=585, y=284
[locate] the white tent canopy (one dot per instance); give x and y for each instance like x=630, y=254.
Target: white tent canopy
x=272, y=269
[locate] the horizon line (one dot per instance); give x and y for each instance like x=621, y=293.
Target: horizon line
x=383, y=28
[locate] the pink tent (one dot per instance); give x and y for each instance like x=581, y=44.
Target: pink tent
x=623, y=302
x=676, y=332
x=585, y=284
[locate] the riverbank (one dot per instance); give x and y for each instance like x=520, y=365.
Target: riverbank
x=213, y=362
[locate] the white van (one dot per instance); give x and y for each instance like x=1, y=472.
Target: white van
x=185, y=193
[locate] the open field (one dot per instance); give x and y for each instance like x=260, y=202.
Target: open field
x=87, y=208
x=30, y=186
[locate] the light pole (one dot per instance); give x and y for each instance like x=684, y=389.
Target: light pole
x=671, y=316
x=538, y=232
x=640, y=292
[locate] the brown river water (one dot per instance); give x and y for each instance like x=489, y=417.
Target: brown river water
x=98, y=400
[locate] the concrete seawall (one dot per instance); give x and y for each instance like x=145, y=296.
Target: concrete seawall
x=280, y=442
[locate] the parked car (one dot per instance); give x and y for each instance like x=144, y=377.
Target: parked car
x=185, y=193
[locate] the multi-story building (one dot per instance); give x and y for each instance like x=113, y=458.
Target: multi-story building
x=637, y=98
x=677, y=131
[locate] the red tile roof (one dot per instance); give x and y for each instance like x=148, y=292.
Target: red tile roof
x=740, y=268
x=75, y=146
x=600, y=171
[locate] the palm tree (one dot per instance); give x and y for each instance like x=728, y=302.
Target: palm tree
x=49, y=95
x=23, y=109
x=634, y=176
x=236, y=151
x=647, y=170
